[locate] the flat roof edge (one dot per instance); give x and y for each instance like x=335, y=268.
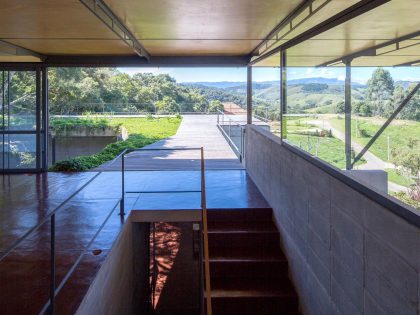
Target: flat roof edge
x=132, y=61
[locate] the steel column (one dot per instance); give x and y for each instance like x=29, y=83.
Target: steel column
x=283, y=93
x=249, y=95
x=347, y=113
x=51, y=308
x=45, y=119
x=38, y=119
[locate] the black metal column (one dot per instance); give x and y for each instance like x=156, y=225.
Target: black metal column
x=347, y=113
x=44, y=119
x=249, y=95
x=283, y=94
x=38, y=119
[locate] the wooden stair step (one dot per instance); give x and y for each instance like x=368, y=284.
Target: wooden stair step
x=247, y=302
x=257, y=269
x=240, y=239
x=251, y=215
x=242, y=226
x=218, y=253
x=263, y=284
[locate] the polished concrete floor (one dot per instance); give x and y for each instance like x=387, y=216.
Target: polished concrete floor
x=87, y=224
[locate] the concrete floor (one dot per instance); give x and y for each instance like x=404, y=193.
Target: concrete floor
x=82, y=229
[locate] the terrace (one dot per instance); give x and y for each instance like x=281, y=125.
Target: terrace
x=277, y=205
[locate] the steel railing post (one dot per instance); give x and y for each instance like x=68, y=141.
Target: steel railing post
x=52, y=266
x=122, y=186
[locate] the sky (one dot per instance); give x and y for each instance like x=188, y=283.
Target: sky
x=360, y=75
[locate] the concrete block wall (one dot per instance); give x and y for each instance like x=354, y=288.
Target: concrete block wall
x=347, y=253
x=112, y=290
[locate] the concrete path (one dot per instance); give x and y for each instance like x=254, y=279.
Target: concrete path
x=195, y=131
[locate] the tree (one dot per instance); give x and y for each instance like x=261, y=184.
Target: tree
x=407, y=160
x=380, y=89
x=362, y=109
x=214, y=106
x=167, y=105
x=339, y=108
x=412, y=109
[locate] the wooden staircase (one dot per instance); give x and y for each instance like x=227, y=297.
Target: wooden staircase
x=249, y=272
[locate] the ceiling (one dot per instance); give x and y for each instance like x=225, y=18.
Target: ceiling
x=392, y=20
x=207, y=28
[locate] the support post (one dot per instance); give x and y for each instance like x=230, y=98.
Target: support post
x=347, y=113
x=45, y=119
x=52, y=266
x=283, y=94
x=122, y=210
x=249, y=95
x=38, y=120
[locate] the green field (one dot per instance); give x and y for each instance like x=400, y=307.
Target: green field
x=400, y=132
x=396, y=178
x=327, y=148
x=142, y=132
x=330, y=149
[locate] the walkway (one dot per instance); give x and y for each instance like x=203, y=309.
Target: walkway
x=87, y=225
x=195, y=131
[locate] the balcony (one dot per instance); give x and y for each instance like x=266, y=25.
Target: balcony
x=283, y=178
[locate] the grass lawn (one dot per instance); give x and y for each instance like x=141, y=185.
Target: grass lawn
x=330, y=149
x=400, y=132
x=396, y=178
x=142, y=132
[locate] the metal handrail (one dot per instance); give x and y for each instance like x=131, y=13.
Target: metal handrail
x=228, y=136
x=45, y=219
x=50, y=305
x=206, y=276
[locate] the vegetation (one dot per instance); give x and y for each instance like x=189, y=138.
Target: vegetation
x=142, y=132
x=59, y=125
x=395, y=177
x=407, y=199
x=317, y=141
x=362, y=129
x=77, y=90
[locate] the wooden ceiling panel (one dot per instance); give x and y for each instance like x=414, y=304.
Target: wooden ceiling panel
x=199, y=47
x=191, y=19
x=389, y=21
x=50, y=19
x=368, y=30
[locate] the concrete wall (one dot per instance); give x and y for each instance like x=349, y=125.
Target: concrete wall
x=347, y=253
x=70, y=147
x=112, y=291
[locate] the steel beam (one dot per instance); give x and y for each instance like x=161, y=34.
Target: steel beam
x=287, y=25
x=387, y=123
x=347, y=113
x=109, y=18
x=355, y=10
x=415, y=63
x=131, y=61
x=249, y=95
x=10, y=49
x=394, y=45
